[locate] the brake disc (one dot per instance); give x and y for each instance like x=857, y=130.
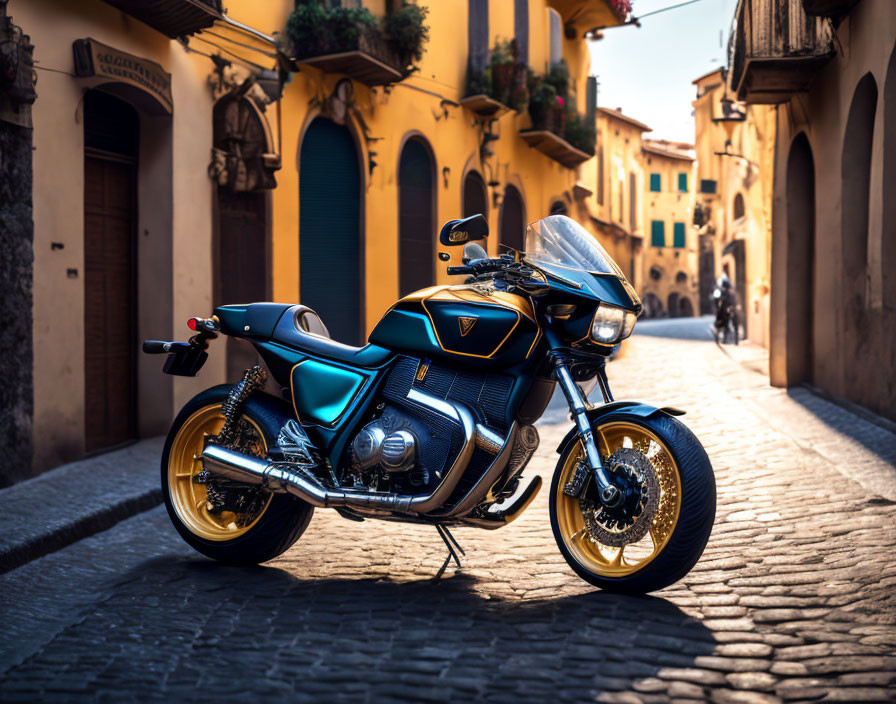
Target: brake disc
x=629, y=522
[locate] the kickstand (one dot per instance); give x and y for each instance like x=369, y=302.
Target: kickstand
x=450, y=543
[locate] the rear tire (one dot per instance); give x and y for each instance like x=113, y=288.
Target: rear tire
x=696, y=512
x=281, y=522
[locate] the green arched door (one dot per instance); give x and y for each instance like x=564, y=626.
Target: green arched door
x=330, y=228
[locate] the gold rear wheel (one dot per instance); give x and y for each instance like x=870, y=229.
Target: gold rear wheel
x=610, y=561
x=189, y=496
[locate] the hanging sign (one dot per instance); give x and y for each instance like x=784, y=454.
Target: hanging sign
x=96, y=60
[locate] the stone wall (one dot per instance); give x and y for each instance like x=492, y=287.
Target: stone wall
x=16, y=278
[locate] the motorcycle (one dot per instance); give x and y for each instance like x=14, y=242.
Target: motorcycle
x=725, y=326
x=433, y=420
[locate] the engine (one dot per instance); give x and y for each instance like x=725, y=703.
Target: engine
x=411, y=439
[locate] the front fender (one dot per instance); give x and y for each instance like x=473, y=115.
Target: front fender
x=635, y=408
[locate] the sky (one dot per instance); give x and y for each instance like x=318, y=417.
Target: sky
x=647, y=71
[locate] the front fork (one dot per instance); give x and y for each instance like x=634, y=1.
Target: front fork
x=578, y=406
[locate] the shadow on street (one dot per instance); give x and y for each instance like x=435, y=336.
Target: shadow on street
x=185, y=626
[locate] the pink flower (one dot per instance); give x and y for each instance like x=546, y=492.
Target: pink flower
x=560, y=101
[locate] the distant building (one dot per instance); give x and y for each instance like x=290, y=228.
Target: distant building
x=735, y=146
x=669, y=286
x=829, y=67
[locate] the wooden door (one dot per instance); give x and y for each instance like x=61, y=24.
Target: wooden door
x=242, y=269
x=109, y=311
x=330, y=271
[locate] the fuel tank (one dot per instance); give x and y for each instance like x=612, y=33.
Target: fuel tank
x=470, y=324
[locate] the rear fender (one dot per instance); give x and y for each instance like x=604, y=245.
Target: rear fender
x=634, y=408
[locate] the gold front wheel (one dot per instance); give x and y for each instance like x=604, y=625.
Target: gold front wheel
x=672, y=499
x=189, y=491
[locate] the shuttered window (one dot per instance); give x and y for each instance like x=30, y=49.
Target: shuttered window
x=678, y=234
x=656, y=183
x=658, y=233
x=683, y=183
x=707, y=185
x=477, y=34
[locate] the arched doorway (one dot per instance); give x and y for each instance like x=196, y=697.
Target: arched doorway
x=512, y=218
x=856, y=180
x=653, y=306
x=475, y=195
x=685, y=307
x=739, y=208
x=416, y=217
x=111, y=143
x=800, y=261
x=330, y=252
x=558, y=207
x=673, y=305
x=888, y=243
x=240, y=138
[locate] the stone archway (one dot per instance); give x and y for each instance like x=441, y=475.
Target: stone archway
x=856, y=190
x=800, y=293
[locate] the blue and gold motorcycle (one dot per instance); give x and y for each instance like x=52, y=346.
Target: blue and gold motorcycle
x=432, y=421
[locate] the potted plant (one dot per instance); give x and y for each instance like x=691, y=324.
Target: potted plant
x=316, y=29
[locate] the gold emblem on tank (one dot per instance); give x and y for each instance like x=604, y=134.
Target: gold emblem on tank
x=466, y=324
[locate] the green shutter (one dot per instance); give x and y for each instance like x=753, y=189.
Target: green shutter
x=707, y=185
x=678, y=234
x=656, y=184
x=683, y=183
x=658, y=233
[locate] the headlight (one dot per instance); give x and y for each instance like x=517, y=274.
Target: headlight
x=611, y=324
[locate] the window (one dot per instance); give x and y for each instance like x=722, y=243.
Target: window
x=683, y=182
x=521, y=28
x=678, y=234
x=658, y=233
x=477, y=34
x=558, y=207
x=738, y=207
x=556, y=37
x=656, y=183
x=708, y=185
x=632, y=202
x=621, y=201
x=600, y=175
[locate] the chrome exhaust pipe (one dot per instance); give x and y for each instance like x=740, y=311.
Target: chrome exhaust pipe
x=280, y=478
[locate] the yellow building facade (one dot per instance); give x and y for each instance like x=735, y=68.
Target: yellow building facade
x=233, y=169
x=669, y=287
x=735, y=146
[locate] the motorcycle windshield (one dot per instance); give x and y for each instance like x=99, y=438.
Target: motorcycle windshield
x=560, y=241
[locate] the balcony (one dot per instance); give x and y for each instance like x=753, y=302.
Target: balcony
x=351, y=41
x=829, y=8
x=173, y=18
x=554, y=147
x=370, y=63
x=775, y=49
x=580, y=16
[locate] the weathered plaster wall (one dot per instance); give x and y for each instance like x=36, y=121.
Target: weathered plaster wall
x=853, y=346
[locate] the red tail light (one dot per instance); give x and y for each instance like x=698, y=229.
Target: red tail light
x=193, y=323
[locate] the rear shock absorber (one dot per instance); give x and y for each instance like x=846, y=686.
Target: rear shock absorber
x=254, y=378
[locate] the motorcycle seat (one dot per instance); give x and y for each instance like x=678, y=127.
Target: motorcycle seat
x=301, y=328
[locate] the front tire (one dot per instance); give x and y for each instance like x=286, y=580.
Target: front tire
x=270, y=524
x=678, y=532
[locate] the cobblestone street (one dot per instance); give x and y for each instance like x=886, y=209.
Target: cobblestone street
x=794, y=598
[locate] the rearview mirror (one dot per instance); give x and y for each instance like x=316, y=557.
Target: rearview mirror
x=455, y=232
